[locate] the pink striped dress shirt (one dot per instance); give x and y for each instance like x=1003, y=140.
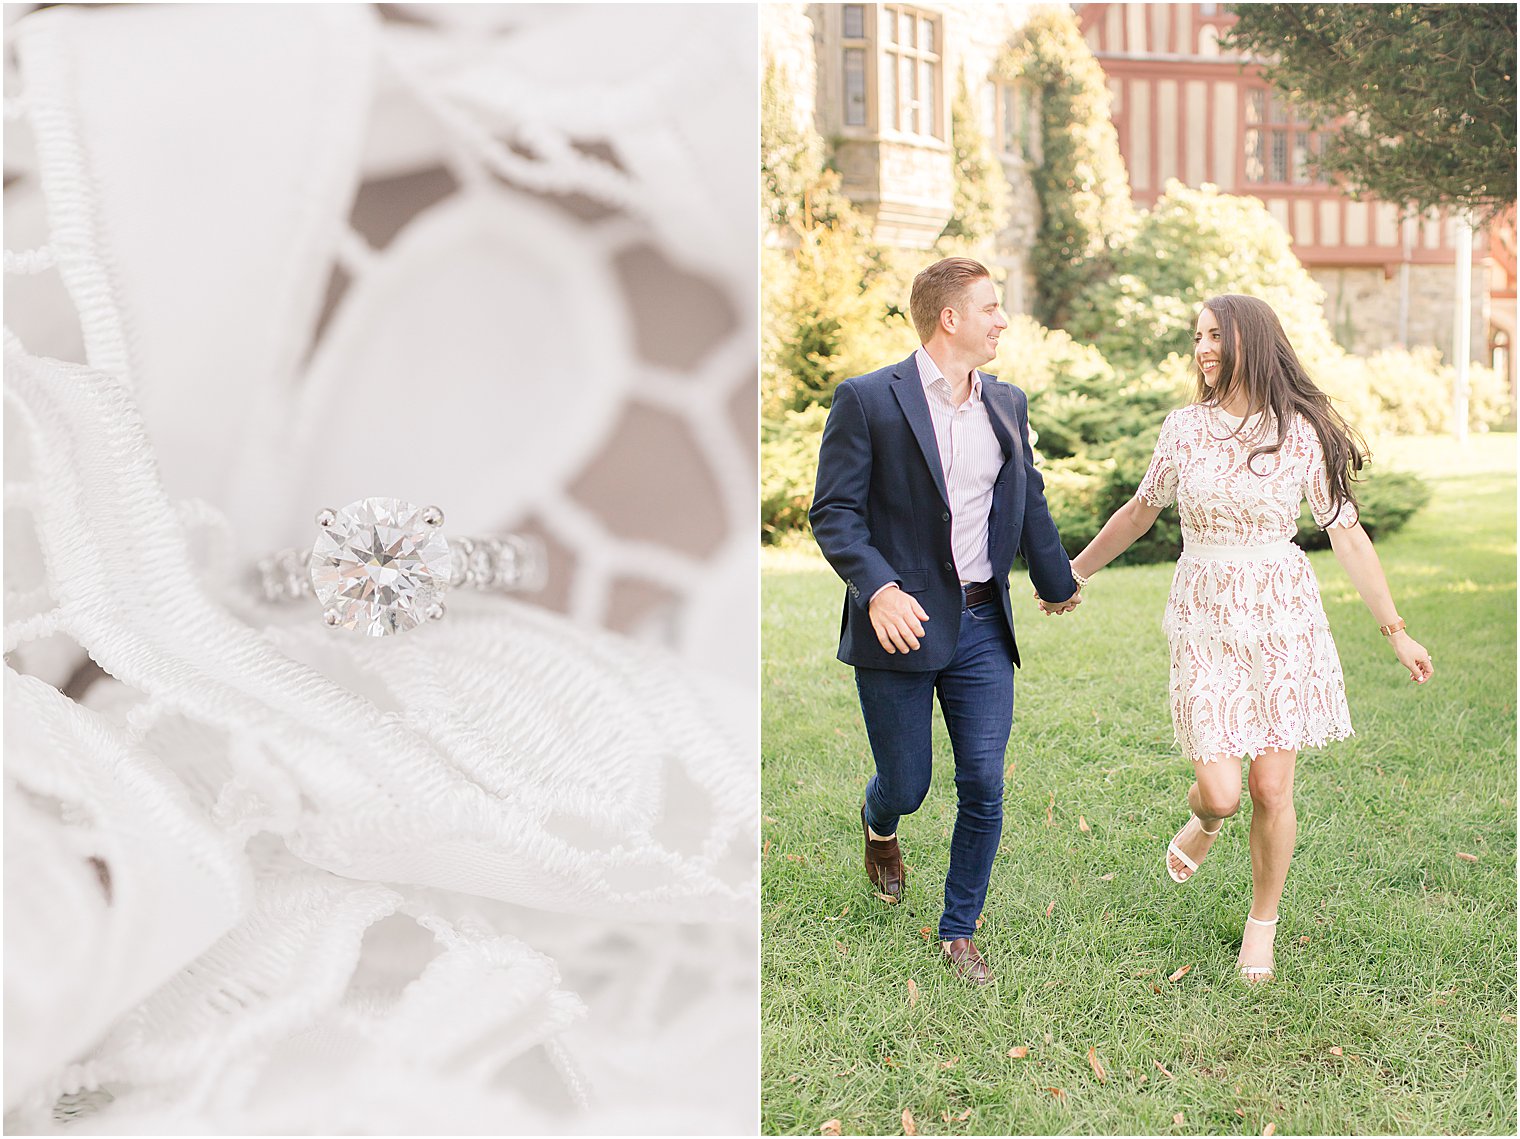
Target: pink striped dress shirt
x=970, y=456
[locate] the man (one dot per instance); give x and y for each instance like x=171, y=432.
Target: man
x=926, y=490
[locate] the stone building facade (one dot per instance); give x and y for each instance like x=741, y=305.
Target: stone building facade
x=879, y=80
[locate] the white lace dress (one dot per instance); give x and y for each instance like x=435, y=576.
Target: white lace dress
x=1253, y=663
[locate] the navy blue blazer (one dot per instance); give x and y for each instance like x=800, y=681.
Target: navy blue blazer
x=881, y=513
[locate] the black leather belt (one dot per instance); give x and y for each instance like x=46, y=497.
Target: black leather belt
x=977, y=592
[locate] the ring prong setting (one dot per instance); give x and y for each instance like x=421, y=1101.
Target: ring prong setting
x=326, y=517
x=432, y=515
x=331, y=617
x=435, y=611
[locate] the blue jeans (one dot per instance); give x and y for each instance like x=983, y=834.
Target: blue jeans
x=976, y=696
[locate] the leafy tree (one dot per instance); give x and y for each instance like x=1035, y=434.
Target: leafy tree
x=791, y=155
x=1427, y=91
x=832, y=299
x=1194, y=244
x=1082, y=185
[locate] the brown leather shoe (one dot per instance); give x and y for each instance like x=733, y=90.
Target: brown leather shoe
x=884, y=865
x=966, y=961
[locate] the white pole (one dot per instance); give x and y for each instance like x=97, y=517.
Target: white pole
x=1461, y=337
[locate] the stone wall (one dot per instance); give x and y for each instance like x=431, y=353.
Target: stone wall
x=1363, y=306
x=905, y=185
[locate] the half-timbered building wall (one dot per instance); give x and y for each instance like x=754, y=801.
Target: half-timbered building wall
x=1186, y=109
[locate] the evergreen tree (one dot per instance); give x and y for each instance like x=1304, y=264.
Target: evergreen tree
x=980, y=203
x=1083, y=188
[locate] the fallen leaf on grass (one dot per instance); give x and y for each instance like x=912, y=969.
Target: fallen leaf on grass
x=765, y=851
x=889, y=1062
x=1092, y=1062
x=767, y=818
x=839, y=945
x=1050, y=811
x=1337, y=1051
x=1019, y=1052
x=909, y=1127
x=1105, y=877
x=1155, y=988
x=979, y=920
x=1269, y=1129
x=1180, y=973
x=1240, y=1112
x=1082, y=824
x=1465, y=857
x=1059, y=1093
x=1304, y=940
x=1012, y=767
x=1163, y=1069
x=1050, y=909
x=794, y=1079
x=912, y=992
x=848, y=1071
x=831, y=1127
x=796, y=858
x=1177, y=1119
x=926, y=932
x=888, y=898
x=950, y=1063
x=963, y=1116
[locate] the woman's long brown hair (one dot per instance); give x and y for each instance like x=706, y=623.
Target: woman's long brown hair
x=1256, y=358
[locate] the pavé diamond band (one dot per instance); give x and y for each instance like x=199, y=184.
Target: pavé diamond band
x=383, y=565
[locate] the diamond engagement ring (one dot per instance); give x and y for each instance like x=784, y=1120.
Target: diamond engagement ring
x=382, y=566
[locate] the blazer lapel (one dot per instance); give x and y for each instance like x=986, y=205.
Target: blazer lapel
x=909, y=390
x=1000, y=414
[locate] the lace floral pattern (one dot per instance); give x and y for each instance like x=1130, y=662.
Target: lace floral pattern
x=263, y=879
x=1253, y=663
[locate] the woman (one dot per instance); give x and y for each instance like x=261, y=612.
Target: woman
x=1254, y=671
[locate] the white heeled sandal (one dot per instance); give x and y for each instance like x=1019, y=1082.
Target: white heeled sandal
x=1256, y=974
x=1173, y=850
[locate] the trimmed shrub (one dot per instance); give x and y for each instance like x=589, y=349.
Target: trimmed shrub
x=1385, y=501
x=1408, y=392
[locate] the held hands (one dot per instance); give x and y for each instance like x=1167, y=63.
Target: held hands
x=1053, y=608
x=898, y=619
x=1412, y=655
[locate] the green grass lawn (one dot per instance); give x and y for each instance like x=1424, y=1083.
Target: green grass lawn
x=1394, y=1008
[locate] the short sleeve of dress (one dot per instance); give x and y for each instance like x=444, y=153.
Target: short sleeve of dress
x=1159, y=486
x=1317, y=489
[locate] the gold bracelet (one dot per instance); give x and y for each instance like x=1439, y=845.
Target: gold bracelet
x=1396, y=627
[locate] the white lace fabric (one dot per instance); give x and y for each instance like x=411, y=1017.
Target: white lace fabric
x=1253, y=665
x=495, y=875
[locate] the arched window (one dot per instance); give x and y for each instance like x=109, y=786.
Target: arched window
x=1498, y=352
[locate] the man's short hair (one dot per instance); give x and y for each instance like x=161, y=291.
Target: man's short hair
x=942, y=285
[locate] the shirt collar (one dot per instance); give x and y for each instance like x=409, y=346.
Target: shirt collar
x=929, y=374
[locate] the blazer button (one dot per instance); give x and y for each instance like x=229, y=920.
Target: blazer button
x=945, y=517
x=950, y=565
